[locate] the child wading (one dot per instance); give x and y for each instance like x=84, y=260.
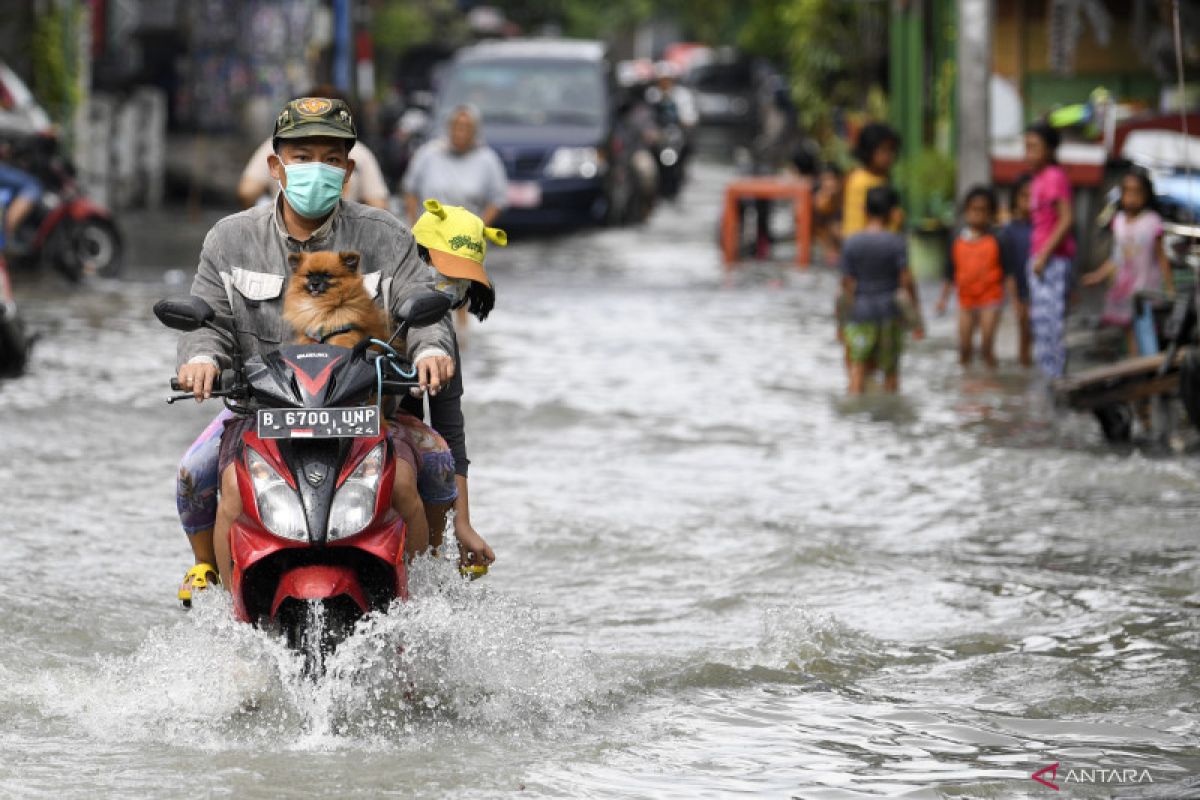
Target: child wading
x=1015, y=239
x=1052, y=248
x=1138, y=261
x=874, y=270
x=974, y=266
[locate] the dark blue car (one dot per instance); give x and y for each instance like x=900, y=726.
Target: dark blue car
x=547, y=111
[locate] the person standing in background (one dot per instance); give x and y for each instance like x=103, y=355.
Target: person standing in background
x=827, y=212
x=974, y=267
x=458, y=170
x=1052, y=248
x=772, y=149
x=1015, y=237
x=876, y=151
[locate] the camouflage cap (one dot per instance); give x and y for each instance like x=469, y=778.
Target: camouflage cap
x=305, y=117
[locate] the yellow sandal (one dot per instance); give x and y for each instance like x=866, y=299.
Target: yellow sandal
x=196, y=580
x=472, y=571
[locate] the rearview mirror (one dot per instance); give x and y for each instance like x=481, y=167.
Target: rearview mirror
x=186, y=313
x=424, y=310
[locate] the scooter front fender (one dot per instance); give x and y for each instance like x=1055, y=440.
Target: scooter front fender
x=318, y=582
x=249, y=544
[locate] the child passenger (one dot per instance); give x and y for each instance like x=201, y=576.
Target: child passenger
x=453, y=242
x=974, y=267
x=874, y=269
x=1138, y=261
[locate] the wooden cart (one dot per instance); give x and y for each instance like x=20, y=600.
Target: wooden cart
x=1134, y=387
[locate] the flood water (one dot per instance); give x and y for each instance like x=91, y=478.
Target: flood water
x=716, y=576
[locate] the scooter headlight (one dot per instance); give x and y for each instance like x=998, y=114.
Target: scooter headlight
x=278, y=504
x=354, y=504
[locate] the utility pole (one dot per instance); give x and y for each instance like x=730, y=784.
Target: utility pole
x=974, y=93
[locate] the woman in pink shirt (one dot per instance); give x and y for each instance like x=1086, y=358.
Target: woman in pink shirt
x=1051, y=249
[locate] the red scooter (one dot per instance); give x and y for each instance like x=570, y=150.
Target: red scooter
x=318, y=545
x=66, y=229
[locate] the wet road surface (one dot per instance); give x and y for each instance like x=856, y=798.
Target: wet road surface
x=716, y=576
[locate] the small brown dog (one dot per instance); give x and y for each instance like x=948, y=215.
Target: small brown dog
x=327, y=303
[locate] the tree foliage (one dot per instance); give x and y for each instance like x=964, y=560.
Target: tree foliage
x=400, y=24
x=55, y=61
x=832, y=50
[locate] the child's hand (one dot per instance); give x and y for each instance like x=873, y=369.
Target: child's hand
x=940, y=308
x=1094, y=278
x=472, y=549
x=918, y=334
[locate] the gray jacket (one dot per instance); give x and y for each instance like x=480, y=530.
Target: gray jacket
x=243, y=273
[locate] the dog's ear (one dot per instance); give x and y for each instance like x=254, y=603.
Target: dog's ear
x=295, y=259
x=350, y=260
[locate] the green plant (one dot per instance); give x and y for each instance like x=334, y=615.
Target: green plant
x=55, y=73
x=928, y=179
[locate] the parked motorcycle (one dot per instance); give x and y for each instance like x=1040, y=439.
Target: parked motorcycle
x=66, y=230
x=318, y=545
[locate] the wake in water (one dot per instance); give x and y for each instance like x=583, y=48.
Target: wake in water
x=457, y=655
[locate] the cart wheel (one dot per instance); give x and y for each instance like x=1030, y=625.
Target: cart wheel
x=1189, y=385
x=1116, y=421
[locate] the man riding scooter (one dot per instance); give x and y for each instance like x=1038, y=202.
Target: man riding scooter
x=25, y=191
x=242, y=274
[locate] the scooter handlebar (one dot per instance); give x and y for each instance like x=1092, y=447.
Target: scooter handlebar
x=224, y=382
x=222, y=387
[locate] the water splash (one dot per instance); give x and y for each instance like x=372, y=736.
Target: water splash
x=457, y=656
x=797, y=639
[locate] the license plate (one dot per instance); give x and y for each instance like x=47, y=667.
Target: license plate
x=524, y=195
x=317, y=423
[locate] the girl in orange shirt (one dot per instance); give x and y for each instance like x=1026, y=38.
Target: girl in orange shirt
x=974, y=266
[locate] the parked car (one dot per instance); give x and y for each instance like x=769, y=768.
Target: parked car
x=20, y=114
x=725, y=94
x=548, y=110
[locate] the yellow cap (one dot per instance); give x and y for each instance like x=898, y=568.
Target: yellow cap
x=456, y=240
